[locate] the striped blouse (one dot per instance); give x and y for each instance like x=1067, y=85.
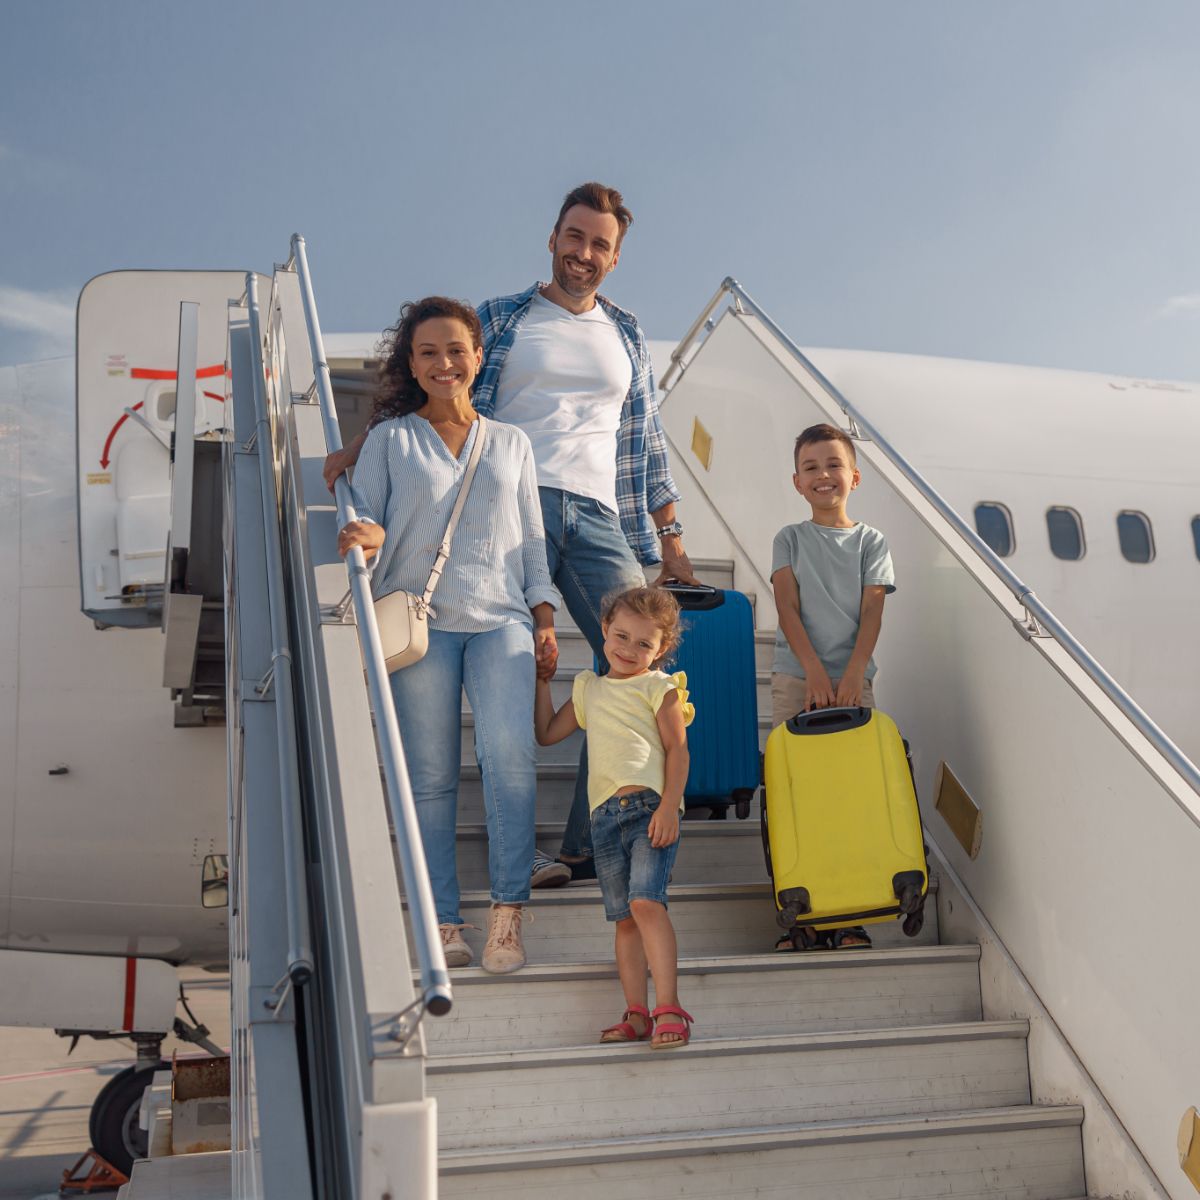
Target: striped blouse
x=407, y=480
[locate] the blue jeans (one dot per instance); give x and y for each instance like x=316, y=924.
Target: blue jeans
x=497, y=669
x=589, y=559
x=627, y=865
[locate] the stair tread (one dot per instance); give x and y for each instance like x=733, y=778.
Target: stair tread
x=588, y=892
x=617, y=1057
x=768, y=1137
x=814, y=960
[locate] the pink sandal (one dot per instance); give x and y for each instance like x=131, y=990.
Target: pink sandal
x=684, y=1031
x=623, y=1031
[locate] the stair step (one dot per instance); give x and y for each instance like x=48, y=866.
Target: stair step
x=741, y=1082
x=555, y=788
x=1015, y=1153
x=710, y=919
x=548, y=1005
x=711, y=851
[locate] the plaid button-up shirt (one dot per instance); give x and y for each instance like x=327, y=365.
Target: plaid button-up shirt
x=644, y=483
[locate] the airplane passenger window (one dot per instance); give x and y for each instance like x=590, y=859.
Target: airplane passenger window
x=1066, y=533
x=1135, y=536
x=993, y=523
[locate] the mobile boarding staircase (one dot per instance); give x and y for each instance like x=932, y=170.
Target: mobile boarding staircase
x=1033, y=1043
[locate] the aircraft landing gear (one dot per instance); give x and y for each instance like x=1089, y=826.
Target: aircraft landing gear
x=114, y=1125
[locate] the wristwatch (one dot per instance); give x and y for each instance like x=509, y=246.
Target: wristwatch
x=671, y=529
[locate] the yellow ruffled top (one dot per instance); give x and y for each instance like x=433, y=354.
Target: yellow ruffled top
x=620, y=717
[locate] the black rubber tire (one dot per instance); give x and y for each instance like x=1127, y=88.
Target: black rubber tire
x=113, y=1122
x=913, y=923
x=741, y=802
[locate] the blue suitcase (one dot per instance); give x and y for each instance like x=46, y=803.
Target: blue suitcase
x=717, y=653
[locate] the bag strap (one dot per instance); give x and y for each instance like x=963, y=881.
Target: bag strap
x=464, y=490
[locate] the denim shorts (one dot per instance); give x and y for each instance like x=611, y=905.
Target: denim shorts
x=627, y=865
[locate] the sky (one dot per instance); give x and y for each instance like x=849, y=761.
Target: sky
x=1013, y=182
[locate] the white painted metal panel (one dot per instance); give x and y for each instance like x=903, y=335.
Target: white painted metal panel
x=1087, y=841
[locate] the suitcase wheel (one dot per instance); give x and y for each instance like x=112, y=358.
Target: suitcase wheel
x=741, y=802
x=913, y=923
x=907, y=888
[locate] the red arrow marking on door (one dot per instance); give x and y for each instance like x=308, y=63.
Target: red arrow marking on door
x=112, y=433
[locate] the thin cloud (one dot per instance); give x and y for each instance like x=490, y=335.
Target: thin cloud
x=1179, y=306
x=50, y=314
x=40, y=324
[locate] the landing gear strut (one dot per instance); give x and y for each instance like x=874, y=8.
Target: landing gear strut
x=114, y=1124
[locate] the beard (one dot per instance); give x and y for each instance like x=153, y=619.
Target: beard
x=575, y=286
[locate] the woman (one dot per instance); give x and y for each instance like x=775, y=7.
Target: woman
x=494, y=590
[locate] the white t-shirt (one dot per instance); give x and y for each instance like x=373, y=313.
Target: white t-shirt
x=564, y=383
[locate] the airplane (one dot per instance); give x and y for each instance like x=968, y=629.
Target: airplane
x=114, y=873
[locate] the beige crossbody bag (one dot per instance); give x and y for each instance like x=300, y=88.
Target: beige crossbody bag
x=403, y=618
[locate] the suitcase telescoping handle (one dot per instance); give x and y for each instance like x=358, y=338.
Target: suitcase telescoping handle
x=829, y=720
x=695, y=596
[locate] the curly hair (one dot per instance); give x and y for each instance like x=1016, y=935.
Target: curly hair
x=397, y=392
x=655, y=604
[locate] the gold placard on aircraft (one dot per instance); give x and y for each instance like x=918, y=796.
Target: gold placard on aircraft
x=1189, y=1146
x=702, y=444
x=958, y=810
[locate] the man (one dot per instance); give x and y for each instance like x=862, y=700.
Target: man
x=573, y=371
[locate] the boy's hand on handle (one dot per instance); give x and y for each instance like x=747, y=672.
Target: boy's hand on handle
x=818, y=689
x=850, y=689
x=366, y=534
x=664, y=825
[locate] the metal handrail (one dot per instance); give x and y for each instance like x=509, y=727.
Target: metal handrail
x=300, y=959
x=431, y=960
x=1023, y=594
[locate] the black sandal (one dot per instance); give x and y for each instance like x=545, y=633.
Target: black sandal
x=803, y=937
x=839, y=938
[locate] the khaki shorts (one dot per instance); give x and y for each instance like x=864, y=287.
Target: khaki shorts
x=787, y=696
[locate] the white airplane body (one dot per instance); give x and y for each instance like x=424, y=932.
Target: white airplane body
x=111, y=807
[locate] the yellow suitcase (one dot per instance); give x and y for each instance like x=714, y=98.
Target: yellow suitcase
x=841, y=826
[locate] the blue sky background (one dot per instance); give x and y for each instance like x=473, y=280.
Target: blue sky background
x=1014, y=181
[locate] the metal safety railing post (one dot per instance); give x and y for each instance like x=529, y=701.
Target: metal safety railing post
x=1020, y=590
x=300, y=959
x=431, y=961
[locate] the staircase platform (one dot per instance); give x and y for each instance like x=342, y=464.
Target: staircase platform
x=710, y=920
x=1020, y=1152
x=617, y=1091
x=559, y=1005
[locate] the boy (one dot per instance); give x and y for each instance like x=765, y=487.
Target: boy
x=830, y=575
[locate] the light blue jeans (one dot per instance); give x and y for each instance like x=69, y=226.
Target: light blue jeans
x=497, y=669
x=589, y=559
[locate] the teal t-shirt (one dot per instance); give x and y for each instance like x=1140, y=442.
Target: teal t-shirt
x=832, y=566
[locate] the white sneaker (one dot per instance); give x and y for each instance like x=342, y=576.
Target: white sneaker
x=456, y=950
x=548, y=872
x=504, y=951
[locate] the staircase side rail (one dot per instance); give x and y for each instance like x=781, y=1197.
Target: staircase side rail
x=1041, y=619
x=300, y=962
x=431, y=961
x=366, y=1040
x=268, y=1112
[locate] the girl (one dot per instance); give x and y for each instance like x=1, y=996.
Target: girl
x=492, y=614
x=634, y=718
